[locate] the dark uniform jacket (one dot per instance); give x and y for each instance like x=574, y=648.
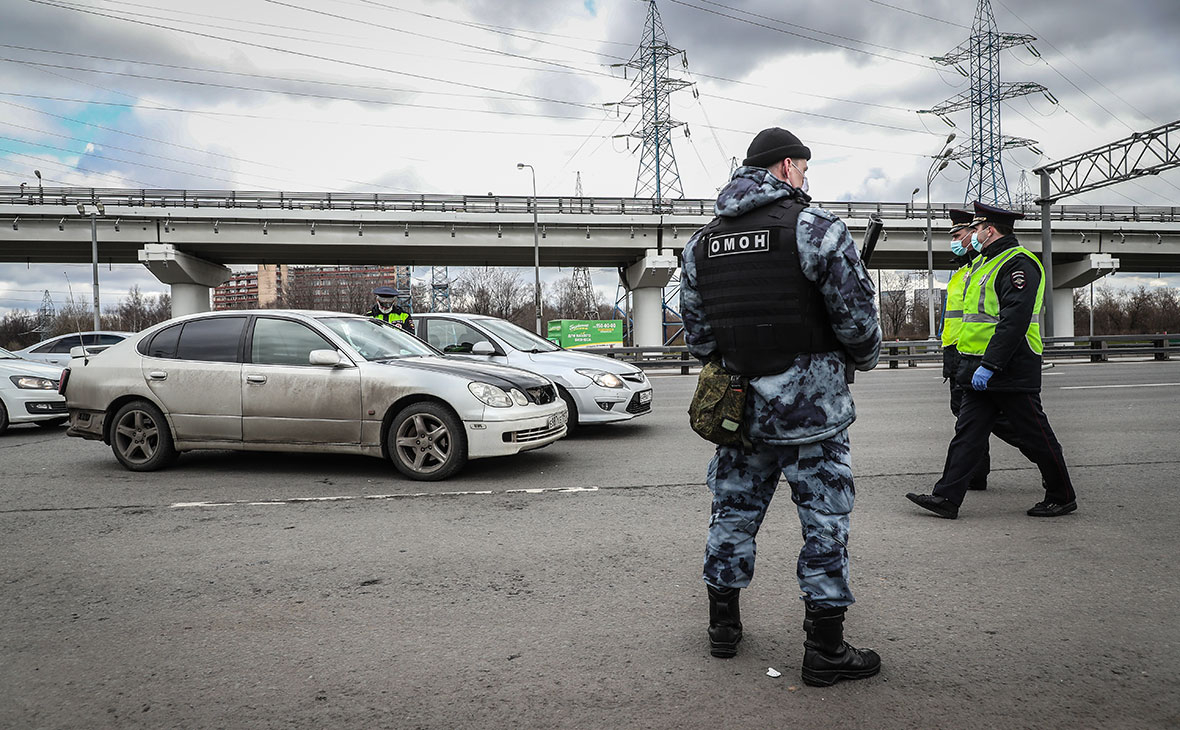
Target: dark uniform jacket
x=1017, y=367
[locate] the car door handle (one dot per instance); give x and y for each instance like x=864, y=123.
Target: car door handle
x=255, y=378
x=158, y=375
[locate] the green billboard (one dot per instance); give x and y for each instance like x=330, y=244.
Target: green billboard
x=572, y=333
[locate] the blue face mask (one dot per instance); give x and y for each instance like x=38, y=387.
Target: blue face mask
x=958, y=249
x=975, y=244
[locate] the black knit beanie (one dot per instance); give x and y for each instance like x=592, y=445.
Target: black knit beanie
x=775, y=145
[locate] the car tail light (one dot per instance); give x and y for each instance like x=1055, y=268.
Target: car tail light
x=65, y=378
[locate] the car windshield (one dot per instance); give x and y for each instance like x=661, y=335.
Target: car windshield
x=518, y=337
x=376, y=340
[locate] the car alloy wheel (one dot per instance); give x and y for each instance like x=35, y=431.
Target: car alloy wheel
x=427, y=442
x=140, y=437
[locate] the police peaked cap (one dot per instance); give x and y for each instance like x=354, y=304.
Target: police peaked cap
x=960, y=219
x=985, y=213
x=385, y=291
x=775, y=145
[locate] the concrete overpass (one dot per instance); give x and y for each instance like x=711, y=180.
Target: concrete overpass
x=187, y=237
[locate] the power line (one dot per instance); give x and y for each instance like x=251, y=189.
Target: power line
x=920, y=15
x=801, y=35
x=44, y=161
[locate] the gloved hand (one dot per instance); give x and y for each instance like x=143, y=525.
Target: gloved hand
x=980, y=378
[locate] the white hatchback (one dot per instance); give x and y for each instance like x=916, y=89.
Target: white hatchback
x=596, y=389
x=28, y=392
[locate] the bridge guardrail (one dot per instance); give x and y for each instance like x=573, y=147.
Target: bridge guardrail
x=694, y=207
x=1099, y=348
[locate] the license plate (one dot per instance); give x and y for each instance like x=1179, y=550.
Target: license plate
x=645, y=397
x=556, y=420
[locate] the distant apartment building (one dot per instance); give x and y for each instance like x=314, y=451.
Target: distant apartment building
x=338, y=288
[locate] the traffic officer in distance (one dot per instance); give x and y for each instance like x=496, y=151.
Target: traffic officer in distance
x=388, y=310
x=966, y=255
x=1000, y=370
x=776, y=290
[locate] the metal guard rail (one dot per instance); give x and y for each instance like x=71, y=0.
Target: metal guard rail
x=699, y=208
x=1100, y=348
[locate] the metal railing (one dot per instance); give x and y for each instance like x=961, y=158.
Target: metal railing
x=908, y=353
x=699, y=208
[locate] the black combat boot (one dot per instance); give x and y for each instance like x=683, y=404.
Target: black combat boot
x=826, y=657
x=725, y=621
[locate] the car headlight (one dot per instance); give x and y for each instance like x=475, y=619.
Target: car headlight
x=30, y=382
x=602, y=377
x=520, y=398
x=490, y=395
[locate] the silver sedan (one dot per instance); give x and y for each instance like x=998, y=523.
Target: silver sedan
x=275, y=380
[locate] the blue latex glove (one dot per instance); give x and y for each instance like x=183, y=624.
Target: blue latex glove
x=980, y=378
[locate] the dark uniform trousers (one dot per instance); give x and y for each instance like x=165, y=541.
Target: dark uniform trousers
x=1027, y=427
x=1002, y=429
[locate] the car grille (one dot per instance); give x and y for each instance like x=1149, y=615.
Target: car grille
x=634, y=407
x=634, y=377
x=543, y=394
x=532, y=434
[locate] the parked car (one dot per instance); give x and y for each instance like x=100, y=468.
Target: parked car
x=596, y=389
x=28, y=392
x=56, y=350
x=290, y=380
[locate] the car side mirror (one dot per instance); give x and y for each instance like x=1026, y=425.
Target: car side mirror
x=77, y=351
x=330, y=358
x=483, y=347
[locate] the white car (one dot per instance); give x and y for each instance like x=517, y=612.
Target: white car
x=56, y=350
x=292, y=380
x=28, y=392
x=596, y=389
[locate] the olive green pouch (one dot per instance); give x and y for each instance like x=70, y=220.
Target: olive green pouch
x=718, y=405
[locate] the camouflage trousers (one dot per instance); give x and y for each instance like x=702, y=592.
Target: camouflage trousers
x=742, y=483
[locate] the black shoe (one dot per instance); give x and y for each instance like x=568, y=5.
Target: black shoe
x=1052, y=509
x=940, y=506
x=827, y=658
x=725, y=621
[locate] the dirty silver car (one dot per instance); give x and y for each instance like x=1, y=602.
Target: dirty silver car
x=275, y=380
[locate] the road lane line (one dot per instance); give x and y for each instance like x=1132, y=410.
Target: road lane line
x=354, y=497
x=1125, y=385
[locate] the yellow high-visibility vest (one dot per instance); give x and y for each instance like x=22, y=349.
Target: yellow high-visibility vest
x=952, y=318
x=981, y=305
x=392, y=317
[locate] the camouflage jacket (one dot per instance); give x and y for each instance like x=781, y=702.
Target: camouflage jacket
x=810, y=401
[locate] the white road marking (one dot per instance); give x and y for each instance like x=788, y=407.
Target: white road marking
x=347, y=498
x=1125, y=385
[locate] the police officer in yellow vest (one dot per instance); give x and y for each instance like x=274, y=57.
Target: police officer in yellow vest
x=387, y=310
x=952, y=323
x=1000, y=370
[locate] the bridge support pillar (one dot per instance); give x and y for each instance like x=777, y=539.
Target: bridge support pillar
x=646, y=279
x=1074, y=275
x=191, y=278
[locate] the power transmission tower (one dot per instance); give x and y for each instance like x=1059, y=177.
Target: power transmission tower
x=440, y=289
x=401, y=282
x=45, y=314
x=583, y=284
x=982, y=49
x=658, y=176
x=1024, y=194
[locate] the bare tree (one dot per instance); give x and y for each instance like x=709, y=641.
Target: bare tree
x=495, y=292
x=565, y=300
x=895, y=306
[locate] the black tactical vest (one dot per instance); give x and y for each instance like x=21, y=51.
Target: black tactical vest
x=762, y=309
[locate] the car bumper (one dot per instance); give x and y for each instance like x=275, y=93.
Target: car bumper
x=505, y=436
x=610, y=405
x=86, y=424
x=30, y=406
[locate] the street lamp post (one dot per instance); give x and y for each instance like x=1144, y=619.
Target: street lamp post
x=536, y=250
x=40, y=188
x=938, y=165
x=98, y=210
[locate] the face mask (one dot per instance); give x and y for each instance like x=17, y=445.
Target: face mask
x=957, y=248
x=975, y=244
x=804, y=175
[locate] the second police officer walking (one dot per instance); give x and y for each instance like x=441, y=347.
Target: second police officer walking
x=999, y=370
x=775, y=289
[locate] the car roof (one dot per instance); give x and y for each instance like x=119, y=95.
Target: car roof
x=456, y=315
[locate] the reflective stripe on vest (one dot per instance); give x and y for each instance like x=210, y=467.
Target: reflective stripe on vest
x=981, y=306
x=391, y=317
x=952, y=319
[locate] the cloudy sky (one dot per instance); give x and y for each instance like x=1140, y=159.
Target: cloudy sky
x=446, y=96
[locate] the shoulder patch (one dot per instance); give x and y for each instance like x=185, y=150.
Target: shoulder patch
x=1018, y=278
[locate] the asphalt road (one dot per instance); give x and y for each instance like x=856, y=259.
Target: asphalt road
x=211, y=595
